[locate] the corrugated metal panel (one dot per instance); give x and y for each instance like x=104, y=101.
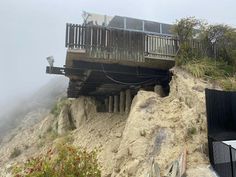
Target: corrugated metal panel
x=221, y=114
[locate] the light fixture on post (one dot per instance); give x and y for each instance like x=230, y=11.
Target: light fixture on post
x=50, y=60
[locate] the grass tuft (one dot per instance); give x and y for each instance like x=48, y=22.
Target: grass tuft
x=211, y=69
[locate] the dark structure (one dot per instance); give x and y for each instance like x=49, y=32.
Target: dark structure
x=221, y=119
x=116, y=55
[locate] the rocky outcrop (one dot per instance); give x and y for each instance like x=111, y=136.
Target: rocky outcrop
x=74, y=113
x=82, y=109
x=65, y=123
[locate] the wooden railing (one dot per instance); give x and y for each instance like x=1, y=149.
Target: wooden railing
x=116, y=44
x=161, y=47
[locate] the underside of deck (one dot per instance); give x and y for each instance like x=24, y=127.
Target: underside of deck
x=101, y=79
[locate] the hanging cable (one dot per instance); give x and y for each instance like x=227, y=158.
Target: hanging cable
x=124, y=83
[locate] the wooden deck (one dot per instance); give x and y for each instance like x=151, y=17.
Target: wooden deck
x=105, y=62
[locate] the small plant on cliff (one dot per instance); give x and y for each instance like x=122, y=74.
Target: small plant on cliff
x=191, y=131
x=64, y=160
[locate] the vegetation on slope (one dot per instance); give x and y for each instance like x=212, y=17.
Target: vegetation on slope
x=207, y=51
x=64, y=160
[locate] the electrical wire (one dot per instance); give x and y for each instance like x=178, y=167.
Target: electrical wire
x=124, y=83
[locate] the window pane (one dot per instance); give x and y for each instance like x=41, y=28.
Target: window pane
x=134, y=24
x=152, y=27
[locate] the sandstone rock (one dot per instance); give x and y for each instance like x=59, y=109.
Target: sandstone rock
x=198, y=88
x=118, y=135
x=142, y=132
x=81, y=108
x=46, y=124
x=65, y=123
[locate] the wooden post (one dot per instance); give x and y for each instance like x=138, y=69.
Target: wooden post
x=116, y=103
x=122, y=102
x=159, y=90
x=106, y=104
x=127, y=100
x=110, y=104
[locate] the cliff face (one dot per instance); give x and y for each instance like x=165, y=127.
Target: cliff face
x=156, y=130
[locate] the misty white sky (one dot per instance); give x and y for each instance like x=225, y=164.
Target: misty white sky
x=31, y=30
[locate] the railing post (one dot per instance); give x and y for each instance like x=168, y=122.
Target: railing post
x=66, y=40
x=231, y=161
x=146, y=40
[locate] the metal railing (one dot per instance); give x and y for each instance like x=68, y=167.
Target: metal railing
x=222, y=157
x=117, y=44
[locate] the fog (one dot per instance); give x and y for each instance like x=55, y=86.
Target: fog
x=32, y=30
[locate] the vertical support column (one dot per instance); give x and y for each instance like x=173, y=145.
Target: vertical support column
x=122, y=102
x=110, y=104
x=106, y=104
x=159, y=90
x=116, y=103
x=127, y=100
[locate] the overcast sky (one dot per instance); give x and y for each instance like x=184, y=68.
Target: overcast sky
x=31, y=30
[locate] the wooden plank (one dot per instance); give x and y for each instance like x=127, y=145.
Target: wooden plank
x=122, y=101
x=127, y=100
x=116, y=103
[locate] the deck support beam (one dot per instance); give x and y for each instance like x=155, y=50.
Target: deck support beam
x=122, y=102
x=116, y=103
x=110, y=104
x=127, y=100
x=106, y=104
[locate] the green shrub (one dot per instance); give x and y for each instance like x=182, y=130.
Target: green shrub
x=212, y=69
x=15, y=153
x=61, y=161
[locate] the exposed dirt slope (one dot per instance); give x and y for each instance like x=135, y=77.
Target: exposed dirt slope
x=156, y=129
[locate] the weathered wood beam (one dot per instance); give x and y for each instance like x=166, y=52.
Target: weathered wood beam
x=127, y=100
x=116, y=103
x=110, y=104
x=106, y=104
